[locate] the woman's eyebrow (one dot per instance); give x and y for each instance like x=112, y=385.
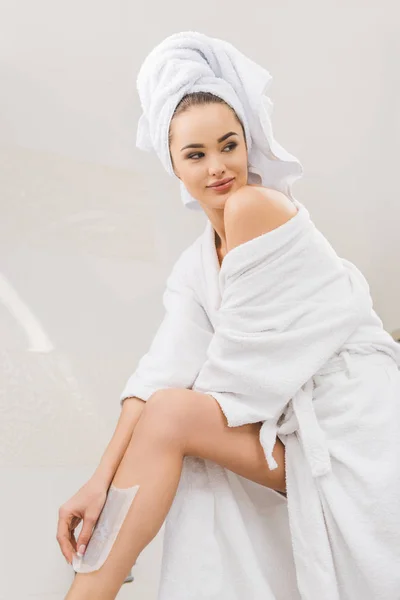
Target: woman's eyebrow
x=221, y=139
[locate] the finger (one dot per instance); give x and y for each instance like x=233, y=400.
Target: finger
x=85, y=534
x=73, y=541
x=63, y=537
x=73, y=525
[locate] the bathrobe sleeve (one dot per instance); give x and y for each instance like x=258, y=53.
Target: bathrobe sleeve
x=178, y=349
x=288, y=304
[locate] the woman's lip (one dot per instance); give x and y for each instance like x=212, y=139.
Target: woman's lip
x=223, y=186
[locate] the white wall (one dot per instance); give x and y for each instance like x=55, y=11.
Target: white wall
x=90, y=226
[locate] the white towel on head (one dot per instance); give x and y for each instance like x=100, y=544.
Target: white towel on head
x=189, y=62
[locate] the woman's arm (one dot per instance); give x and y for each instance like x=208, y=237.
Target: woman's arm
x=130, y=415
x=175, y=356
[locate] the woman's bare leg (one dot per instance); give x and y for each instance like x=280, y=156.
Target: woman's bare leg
x=175, y=423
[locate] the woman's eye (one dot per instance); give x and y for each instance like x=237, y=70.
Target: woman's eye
x=232, y=145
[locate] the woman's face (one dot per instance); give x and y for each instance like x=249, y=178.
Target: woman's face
x=200, y=159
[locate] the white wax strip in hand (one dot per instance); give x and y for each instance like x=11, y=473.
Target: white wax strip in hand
x=106, y=530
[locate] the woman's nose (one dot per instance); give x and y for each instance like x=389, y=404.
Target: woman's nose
x=217, y=169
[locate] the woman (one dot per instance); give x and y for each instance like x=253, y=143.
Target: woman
x=209, y=437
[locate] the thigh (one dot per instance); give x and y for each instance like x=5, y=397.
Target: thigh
x=196, y=422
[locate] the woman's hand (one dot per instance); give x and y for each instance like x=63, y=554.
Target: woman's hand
x=86, y=504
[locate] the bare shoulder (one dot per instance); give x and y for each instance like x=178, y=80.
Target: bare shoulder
x=253, y=197
x=253, y=210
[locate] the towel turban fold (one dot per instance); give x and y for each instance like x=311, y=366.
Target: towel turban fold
x=189, y=62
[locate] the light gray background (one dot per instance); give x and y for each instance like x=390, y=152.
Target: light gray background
x=90, y=226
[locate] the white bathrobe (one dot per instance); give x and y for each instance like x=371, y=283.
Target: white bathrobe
x=284, y=334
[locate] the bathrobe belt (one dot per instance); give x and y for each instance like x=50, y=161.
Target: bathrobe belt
x=300, y=417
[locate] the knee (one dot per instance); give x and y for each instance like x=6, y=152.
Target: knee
x=166, y=416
